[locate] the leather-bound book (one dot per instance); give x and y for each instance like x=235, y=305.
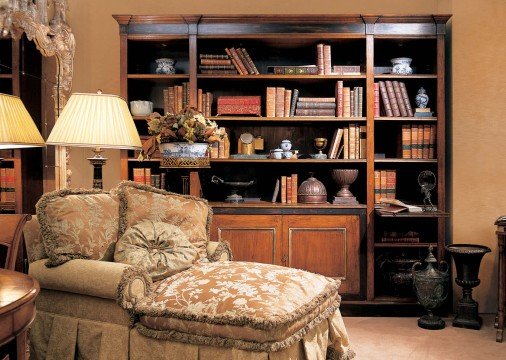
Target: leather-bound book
x=319, y=59
x=432, y=141
x=406, y=141
x=234, y=61
x=399, y=98
x=280, y=101
x=420, y=142
x=391, y=183
x=270, y=102
x=426, y=142
x=314, y=112
x=386, y=101
x=238, y=58
x=250, y=61
x=244, y=61
x=392, y=99
x=414, y=141
x=376, y=100
x=288, y=98
x=295, y=97
x=405, y=97
x=339, y=98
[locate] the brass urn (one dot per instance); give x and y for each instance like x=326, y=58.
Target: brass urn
x=431, y=288
x=312, y=191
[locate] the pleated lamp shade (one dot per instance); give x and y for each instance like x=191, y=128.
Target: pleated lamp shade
x=17, y=129
x=95, y=120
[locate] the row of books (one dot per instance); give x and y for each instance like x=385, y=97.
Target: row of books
x=240, y=62
x=177, y=97
x=385, y=183
x=418, y=141
x=394, y=97
x=350, y=141
x=144, y=176
x=280, y=102
x=287, y=186
x=7, y=185
x=315, y=106
x=349, y=100
x=324, y=59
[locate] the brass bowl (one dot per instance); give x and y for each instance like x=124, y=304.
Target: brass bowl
x=344, y=178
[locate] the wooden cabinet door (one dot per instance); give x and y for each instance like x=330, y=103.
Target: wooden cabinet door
x=251, y=237
x=324, y=244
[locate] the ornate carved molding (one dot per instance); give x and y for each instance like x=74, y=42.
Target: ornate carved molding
x=54, y=38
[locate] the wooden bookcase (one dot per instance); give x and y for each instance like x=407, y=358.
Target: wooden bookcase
x=9, y=84
x=21, y=56
x=370, y=41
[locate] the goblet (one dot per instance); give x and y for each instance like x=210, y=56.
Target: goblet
x=320, y=144
x=344, y=178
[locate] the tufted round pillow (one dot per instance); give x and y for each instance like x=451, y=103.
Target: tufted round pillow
x=160, y=248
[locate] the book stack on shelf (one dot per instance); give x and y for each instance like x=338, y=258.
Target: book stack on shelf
x=315, y=106
x=242, y=61
x=418, y=141
x=7, y=185
x=216, y=64
x=385, y=183
x=349, y=101
x=280, y=102
x=400, y=237
x=287, y=186
x=346, y=70
x=350, y=141
x=144, y=176
x=395, y=99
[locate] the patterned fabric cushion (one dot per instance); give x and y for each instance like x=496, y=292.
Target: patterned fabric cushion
x=78, y=224
x=161, y=249
x=33, y=240
x=267, y=306
x=141, y=202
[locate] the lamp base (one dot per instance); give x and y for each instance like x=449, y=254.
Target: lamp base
x=97, y=161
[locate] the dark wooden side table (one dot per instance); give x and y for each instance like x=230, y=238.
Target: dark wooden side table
x=501, y=238
x=17, y=311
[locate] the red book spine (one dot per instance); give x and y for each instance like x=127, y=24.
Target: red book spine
x=339, y=112
x=288, y=189
x=414, y=141
x=283, y=189
x=270, y=102
x=240, y=109
x=426, y=142
x=376, y=100
x=406, y=141
x=295, y=187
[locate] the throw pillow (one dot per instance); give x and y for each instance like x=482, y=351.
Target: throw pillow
x=78, y=224
x=192, y=215
x=161, y=249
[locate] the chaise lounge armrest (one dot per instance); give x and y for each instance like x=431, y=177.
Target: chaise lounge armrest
x=108, y=280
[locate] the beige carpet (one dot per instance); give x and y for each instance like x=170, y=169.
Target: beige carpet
x=388, y=338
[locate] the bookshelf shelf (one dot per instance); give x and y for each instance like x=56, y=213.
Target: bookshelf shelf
x=399, y=77
x=294, y=119
x=5, y=76
x=281, y=77
x=289, y=40
x=406, y=119
x=432, y=214
x=158, y=76
x=393, y=161
x=405, y=245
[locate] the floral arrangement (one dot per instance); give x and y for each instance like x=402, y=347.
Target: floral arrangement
x=188, y=125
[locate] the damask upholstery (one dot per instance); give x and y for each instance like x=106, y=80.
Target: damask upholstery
x=141, y=202
x=161, y=249
x=78, y=224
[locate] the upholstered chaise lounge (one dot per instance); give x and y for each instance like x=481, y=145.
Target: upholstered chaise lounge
x=174, y=295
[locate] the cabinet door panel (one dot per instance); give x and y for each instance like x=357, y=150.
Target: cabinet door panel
x=251, y=237
x=327, y=245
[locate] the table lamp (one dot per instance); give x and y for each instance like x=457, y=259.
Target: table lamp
x=98, y=121
x=17, y=129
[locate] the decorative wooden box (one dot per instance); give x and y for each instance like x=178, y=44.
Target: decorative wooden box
x=239, y=105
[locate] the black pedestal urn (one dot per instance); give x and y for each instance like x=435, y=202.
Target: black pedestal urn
x=467, y=259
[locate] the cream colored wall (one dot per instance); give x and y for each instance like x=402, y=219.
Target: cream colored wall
x=477, y=195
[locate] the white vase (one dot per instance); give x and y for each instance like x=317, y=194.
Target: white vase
x=183, y=150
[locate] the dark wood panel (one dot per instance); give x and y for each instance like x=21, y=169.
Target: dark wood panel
x=328, y=245
x=251, y=237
